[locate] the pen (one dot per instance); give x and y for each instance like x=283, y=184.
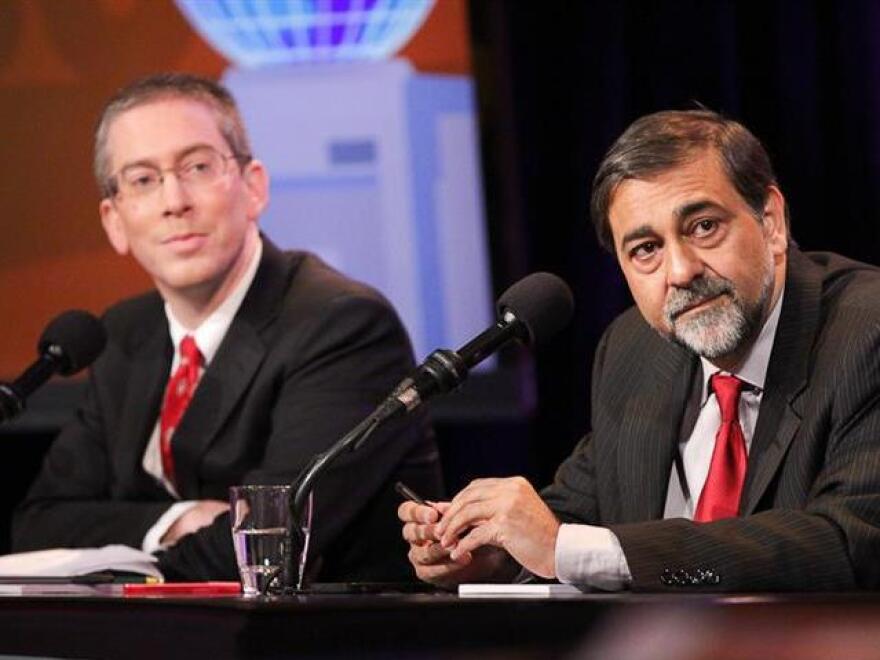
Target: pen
x=409, y=494
x=183, y=589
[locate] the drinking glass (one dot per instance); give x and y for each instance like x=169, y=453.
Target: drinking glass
x=264, y=550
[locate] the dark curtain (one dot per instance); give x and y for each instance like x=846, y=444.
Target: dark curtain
x=559, y=81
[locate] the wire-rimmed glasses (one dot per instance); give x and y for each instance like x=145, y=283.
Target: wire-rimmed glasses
x=202, y=166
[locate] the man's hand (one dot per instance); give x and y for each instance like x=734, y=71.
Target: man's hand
x=201, y=515
x=432, y=562
x=504, y=513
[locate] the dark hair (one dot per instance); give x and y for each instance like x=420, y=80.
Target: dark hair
x=163, y=86
x=661, y=141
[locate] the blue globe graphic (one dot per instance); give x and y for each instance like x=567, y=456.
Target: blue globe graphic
x=254, y=33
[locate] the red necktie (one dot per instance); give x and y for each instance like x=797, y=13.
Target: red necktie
x=178, y=394
x=727, y=472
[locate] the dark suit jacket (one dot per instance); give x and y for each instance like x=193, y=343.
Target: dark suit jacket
x=307, y=356
x=810, y=509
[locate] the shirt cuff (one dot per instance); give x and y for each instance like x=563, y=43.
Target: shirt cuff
x=152, y=539
x=592, y=556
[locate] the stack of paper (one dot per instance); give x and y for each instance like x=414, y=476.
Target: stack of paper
x=64, y=562
x=59, y=571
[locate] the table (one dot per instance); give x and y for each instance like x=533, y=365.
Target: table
x=440, y=625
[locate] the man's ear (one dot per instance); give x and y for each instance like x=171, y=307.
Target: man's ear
x=773, y=222
x=113, y=226
x=256, y=181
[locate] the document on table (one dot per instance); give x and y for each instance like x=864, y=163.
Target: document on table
x=75, y=571
x=66, y=562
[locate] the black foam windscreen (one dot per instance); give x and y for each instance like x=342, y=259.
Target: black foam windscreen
x=75, y=339
x=542, y=302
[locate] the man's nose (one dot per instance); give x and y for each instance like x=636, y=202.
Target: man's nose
x=683, y=264
x=175, y=196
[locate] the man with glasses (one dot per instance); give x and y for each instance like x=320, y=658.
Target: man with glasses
x=241, y=366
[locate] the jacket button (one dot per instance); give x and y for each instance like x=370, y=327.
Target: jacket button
x=708, y=576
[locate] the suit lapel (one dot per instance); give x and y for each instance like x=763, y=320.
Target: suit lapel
x=778, y=420
x=231, y=371
x=650, y=429
x=150, y=357
x=220, y=388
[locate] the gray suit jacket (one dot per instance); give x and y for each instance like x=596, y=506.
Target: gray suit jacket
x=810, y=509
x=307, y=356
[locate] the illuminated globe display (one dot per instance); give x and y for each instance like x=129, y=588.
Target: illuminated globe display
x=255, y=33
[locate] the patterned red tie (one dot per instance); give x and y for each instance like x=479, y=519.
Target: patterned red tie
x=727, y=472
x=178, y=394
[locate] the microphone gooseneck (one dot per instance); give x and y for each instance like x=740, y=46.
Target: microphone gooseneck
x=531, y=311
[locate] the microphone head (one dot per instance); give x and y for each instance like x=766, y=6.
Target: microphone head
x=542, y=303
x=74, y=339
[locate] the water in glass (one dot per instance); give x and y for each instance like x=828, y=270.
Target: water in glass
x=260, y=555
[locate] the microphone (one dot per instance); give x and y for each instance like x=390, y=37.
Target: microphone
x=71, y=342
x=530, y=311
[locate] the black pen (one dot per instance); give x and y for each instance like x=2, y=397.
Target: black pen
x=409, y=494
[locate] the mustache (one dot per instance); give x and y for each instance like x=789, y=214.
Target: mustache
x=700, y=290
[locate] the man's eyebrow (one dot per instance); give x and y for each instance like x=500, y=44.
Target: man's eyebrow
x=643, y=231
x=183, y=153
x=142, y=162
x=690, y=208
x=681, y=213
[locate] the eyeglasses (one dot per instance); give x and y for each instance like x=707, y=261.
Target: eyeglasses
x=200, y=167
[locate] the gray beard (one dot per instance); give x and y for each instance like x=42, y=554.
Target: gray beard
x=721, y=330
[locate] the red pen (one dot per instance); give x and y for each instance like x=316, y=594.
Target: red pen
x=183, y=589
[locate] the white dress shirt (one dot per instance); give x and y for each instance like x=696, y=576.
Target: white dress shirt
x=208, y=336
x=591, y=555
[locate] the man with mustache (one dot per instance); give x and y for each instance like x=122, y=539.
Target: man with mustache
x=735, y=440
x=243, y=364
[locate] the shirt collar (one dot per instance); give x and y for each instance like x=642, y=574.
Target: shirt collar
x=211, y=331
x=753, y=370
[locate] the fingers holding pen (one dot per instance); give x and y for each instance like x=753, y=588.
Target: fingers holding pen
x=468, y=516
x=503, y=513
x=433, y=554
x=412, y=512
x=477, y=537
x=419, y=533
x=491, y=528
x=475, y=504
x=420, y=520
